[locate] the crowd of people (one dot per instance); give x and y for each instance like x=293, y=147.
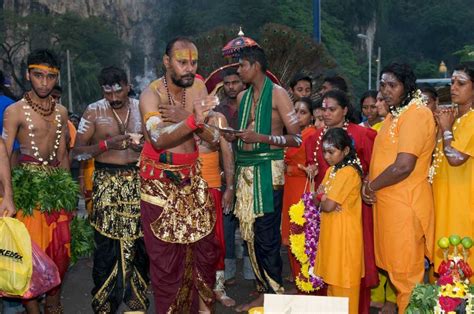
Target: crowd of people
x=178, y=171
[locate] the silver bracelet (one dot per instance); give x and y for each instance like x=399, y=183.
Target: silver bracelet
x=448, y=135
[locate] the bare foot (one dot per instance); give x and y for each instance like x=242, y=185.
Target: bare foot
x=247, y=306
x=224, y=299
x=389, y=308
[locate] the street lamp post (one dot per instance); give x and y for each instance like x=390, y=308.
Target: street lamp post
x=379, y=61
x=317, y=20
x=368, y=41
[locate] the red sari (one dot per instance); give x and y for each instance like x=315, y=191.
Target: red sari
x=295, y=180
x=363, y=140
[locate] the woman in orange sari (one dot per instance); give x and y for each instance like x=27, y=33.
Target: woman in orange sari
x=295, y=178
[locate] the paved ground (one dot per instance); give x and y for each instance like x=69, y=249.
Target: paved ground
x=76, y=295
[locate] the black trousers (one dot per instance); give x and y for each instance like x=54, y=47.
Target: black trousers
x=267, y=243
x=120, y=273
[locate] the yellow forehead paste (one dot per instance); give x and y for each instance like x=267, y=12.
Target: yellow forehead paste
x=186, y=54
x=44, y=68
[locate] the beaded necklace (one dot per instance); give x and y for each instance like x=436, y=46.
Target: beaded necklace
x=438, y=153
x=39, y=108
x=31, y=134
x=170, y=99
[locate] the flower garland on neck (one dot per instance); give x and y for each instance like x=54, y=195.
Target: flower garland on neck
x=396, y=112
x=29, y=121
x=319, y=141
x=353, y=162
x=305, y=220
x=438, y=153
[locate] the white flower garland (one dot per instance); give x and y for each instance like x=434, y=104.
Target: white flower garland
x=35, y=148
x=438, y=153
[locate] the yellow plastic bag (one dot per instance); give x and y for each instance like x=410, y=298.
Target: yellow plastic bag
x=15, y=257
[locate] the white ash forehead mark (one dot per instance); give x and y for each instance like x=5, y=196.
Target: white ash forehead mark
x=460, y=75
x=327, y=145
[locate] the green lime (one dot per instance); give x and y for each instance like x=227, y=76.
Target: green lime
x=443, y=243
x=466, y=242
x=454, y=239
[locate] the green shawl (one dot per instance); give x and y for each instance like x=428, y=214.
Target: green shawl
x=261, y=155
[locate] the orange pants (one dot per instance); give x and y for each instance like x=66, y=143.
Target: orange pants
x=404, y=283
x=351, y=293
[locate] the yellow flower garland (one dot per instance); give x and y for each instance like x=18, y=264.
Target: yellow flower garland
x=297, y=246
x=297, y=242
x=296, y=213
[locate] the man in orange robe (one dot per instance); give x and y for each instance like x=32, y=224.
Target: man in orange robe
x=399, y=187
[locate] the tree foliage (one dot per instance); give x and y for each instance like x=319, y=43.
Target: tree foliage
x=419, y=32
x=92, y=44
x=425, y=32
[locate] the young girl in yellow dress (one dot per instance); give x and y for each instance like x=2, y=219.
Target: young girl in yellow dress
x=340, y=259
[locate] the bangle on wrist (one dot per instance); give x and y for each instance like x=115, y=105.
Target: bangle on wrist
x=103, y=145
x=319, y=197
x=369, y=188
x=448, y=135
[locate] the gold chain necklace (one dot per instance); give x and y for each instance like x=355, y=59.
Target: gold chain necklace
x=122, y=125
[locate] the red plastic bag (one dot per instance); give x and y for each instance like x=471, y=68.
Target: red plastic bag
x=45, y=274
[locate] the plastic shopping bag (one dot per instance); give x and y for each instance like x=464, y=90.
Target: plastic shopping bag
x=45, y=274
x=15, y=257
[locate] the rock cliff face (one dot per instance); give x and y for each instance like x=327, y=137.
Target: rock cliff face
x=134, y=19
